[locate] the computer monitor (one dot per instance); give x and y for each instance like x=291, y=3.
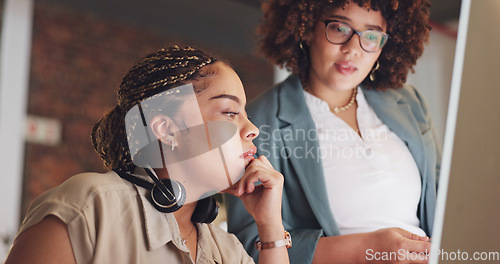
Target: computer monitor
x=467, y=222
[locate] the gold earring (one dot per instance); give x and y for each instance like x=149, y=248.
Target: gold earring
x=372, y=73
x=301, y=46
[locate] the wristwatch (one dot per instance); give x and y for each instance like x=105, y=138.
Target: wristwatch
x=287, y=242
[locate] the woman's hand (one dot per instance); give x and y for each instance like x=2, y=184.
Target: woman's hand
x=262, y=201
x=388, y=245
x=407, y=247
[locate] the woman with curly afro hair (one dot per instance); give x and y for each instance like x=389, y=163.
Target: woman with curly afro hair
x=354, y=142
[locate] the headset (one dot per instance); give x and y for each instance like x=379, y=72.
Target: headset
x=168, y=196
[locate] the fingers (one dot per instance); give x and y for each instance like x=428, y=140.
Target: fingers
x=248, y=184
x=406, y=246
x=419, y=246
x=235, y=189
x=414, y=242
x=416, y=248
x=259, y=169
x=411, y=235
x=260, y=162
x=265, y=160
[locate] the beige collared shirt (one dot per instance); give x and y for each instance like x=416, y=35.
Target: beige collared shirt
x=111, y=221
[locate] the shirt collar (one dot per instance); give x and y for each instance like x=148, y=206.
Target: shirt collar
x=318, y=105
x=161, y=228
x=207, y=249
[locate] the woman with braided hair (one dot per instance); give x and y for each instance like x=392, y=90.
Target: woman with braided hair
x=178, y=134
x=354, y=142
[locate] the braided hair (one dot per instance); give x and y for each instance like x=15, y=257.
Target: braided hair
x=155, y=73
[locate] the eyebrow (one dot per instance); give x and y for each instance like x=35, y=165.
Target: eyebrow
x=349, y=20
x=226, y=96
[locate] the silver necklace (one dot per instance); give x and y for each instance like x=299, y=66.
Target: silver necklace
x=184, y=239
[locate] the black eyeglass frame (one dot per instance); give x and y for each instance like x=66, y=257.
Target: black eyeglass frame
x=328, y=21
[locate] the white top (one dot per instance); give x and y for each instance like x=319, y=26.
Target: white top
x=372, y=181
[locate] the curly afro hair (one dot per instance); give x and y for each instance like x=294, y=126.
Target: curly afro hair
x=287, y=23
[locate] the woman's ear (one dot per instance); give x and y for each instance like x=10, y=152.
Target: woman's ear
x=164, y=129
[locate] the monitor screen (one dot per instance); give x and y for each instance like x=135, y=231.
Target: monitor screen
x=467, y=223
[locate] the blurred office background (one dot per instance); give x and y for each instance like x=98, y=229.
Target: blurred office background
x=62, y=61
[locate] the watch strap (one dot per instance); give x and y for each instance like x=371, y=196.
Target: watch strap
x=286, y=242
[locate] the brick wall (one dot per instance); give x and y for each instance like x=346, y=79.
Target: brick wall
x=78, y=60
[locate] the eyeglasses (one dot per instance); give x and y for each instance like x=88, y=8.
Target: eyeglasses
x=338, y=32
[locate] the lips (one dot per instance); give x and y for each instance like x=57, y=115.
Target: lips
x=249, y=155
x=345, y=67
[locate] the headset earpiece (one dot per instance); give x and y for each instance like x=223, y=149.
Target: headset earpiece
x=206, y=211
x=168, y=196
x=168, y=202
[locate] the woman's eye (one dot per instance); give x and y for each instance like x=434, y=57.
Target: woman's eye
x=230, y=114
x=343, y=29
x=373, y=36
x=340, y=28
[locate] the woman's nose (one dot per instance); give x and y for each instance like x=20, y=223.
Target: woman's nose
x=249, y=131
x=352, y=46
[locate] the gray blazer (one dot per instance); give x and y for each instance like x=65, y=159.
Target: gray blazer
x=287, y=139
